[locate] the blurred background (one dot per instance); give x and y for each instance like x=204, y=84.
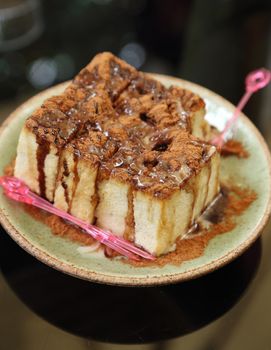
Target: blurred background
x=214, y=43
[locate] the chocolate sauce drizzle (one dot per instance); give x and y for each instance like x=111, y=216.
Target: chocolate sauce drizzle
x=42, y=151
x=151, y=163
x=75, y=180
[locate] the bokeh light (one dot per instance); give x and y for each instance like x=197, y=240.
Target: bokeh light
x=134, y=54
x=42, y=72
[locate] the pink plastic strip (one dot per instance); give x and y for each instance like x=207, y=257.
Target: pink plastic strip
x=255, y=81
x=15, y=189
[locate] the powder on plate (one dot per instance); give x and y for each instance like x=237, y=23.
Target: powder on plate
x=238, y=200
x=234, y=148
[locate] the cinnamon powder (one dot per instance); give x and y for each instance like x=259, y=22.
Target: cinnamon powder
x=9, y=168
x=234, y=148
x=59, y=227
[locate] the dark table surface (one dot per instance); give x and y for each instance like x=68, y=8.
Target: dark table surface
x=44, y=309
x=228, y=309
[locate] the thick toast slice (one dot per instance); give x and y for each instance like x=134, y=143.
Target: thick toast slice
x=160, y=192
x=57, y=122
x=76, y=183
x=113, y=149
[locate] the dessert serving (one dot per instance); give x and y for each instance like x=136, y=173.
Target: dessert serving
x=120, y=150
x=136, y=187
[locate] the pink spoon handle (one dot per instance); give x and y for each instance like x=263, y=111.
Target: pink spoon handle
x=17, y=190
x=255, y=81
x=101, y=235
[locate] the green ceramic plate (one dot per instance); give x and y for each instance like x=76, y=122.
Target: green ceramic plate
x=62, y=254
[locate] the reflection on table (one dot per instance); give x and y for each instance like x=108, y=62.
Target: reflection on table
x=122, y=314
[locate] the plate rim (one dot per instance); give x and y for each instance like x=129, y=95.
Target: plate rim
x=129, y=281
